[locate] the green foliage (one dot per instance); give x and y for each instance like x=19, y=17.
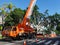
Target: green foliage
x=58, y=27
x=47, y=31
x=1, y=27
x=57, y=32
x=10, y=6
x=35, y=15
x=17, y=15
x=14, y=17
x=8, y=21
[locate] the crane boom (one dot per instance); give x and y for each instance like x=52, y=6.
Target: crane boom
x=29, y=12
x=21, y=30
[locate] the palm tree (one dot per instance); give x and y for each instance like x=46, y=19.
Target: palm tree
x=10, y=6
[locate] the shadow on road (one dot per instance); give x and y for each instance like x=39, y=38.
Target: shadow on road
x=8, y=40
x=5, y=40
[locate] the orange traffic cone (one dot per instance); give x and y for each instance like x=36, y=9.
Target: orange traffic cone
x=25, y=42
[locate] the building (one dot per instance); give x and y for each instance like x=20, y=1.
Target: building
x=0, y=19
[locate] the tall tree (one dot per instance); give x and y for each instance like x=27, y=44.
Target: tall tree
x=10, y=6
x=15, y=17
x=54, y=21
x=36, y=15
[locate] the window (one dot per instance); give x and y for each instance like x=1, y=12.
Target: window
x=14, y=29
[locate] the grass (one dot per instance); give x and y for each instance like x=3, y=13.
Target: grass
x=0, y=36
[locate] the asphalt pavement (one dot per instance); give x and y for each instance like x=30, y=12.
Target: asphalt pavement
x=43, y=41
x=47, y=41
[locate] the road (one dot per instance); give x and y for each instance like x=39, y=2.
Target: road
x=45, y=41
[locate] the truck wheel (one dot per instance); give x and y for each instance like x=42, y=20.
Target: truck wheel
x=25, y=36
x=29, y=36
x=34, y=36
x=19, y=37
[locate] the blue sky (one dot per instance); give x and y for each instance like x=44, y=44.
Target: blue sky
x=52, y=5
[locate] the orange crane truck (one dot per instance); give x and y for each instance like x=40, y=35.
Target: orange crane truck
x=22, y=30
